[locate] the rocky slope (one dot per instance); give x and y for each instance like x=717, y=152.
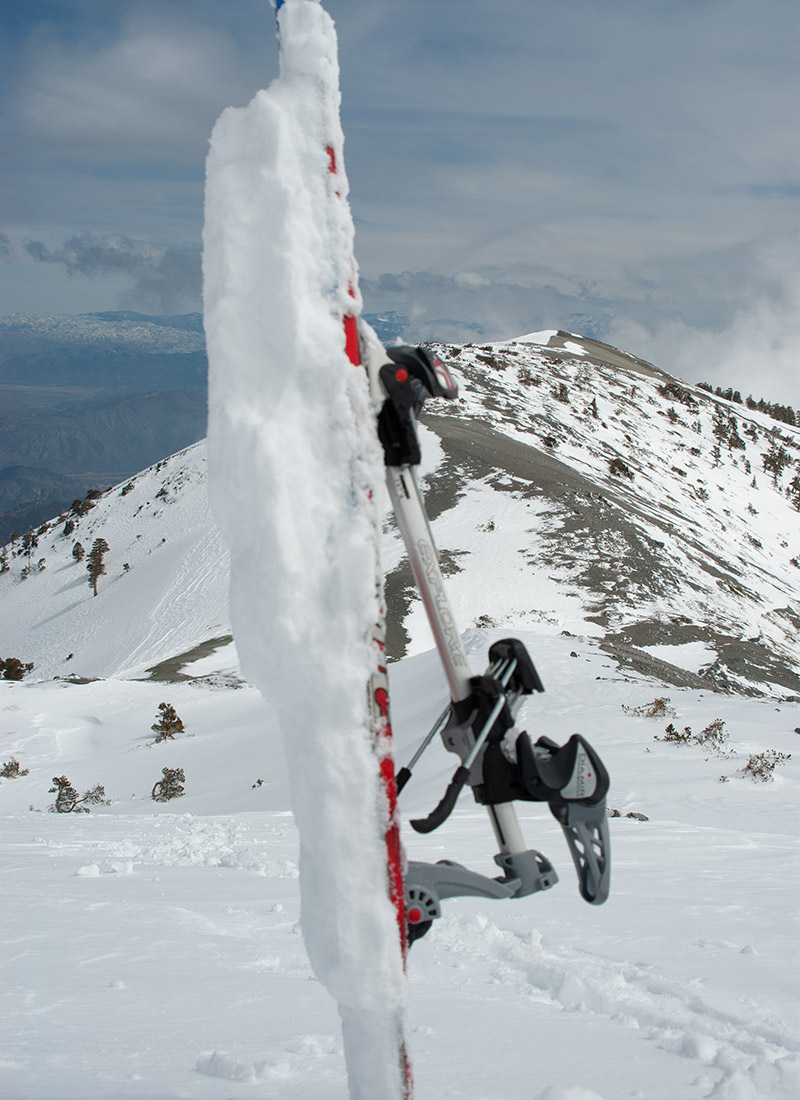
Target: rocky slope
x=573, y=489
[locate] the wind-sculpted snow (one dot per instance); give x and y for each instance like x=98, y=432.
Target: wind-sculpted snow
x=296, y=486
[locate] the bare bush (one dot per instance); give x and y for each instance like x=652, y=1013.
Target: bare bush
x=659, y=708
x=761, y=765
x=12, y=770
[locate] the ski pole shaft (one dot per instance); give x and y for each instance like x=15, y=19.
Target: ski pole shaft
x=404, y=774
x=412, y=520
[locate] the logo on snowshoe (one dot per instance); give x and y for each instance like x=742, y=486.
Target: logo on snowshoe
x=583, y=782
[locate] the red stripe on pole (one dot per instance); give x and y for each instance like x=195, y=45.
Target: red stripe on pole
x=394, y=850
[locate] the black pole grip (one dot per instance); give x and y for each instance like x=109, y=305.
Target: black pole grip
x=440, y=813
x=402, y=778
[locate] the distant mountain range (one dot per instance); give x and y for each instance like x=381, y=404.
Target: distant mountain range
x=90, y=399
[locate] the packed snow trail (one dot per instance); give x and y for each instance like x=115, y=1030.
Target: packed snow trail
x=296, y=479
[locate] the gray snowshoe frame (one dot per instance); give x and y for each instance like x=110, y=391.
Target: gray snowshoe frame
x=480, y=719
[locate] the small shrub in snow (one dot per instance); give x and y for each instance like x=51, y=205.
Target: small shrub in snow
x=12, y=770
x=659, y=708
x=68, y=801
x=169, y=786
x=676, y=736
x=167, y=725
x=12, y=668
x=761, y=765
x=618, y=468
x=714, y=735
x=81, y=507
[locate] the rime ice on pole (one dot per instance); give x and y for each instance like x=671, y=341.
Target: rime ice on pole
x=291, y=432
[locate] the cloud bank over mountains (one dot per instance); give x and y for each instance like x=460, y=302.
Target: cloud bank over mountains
x=161, y=278
x=625, y=169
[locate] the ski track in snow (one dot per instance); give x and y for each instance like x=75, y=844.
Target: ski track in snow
x=680, y=1020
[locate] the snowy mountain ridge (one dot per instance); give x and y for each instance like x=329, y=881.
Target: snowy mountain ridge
x=571, y=488
x=166, y=335
x=171, y=929
x=672, y=513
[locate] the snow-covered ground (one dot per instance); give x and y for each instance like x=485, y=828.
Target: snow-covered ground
x=153, y=950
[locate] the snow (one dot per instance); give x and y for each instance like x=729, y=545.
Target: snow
x=155, y=950
x=692, y=656
x=544, y=337
x=144, y=334
x=296, y=486
x=162, y=529
x=576, y=349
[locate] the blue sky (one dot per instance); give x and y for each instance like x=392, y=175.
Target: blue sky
x=629, y=168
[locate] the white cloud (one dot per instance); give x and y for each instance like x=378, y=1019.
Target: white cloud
x=757, y=352
x=150, y=92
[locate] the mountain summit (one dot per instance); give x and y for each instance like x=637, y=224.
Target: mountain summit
x=573, y=488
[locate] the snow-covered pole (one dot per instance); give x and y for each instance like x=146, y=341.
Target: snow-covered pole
x=296, y=478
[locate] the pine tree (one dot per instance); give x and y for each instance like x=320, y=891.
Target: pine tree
x=776, y=461
x=68, y=801
x=95, y=564
x=168, y=724
x=794, y=491
x=169, y=786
